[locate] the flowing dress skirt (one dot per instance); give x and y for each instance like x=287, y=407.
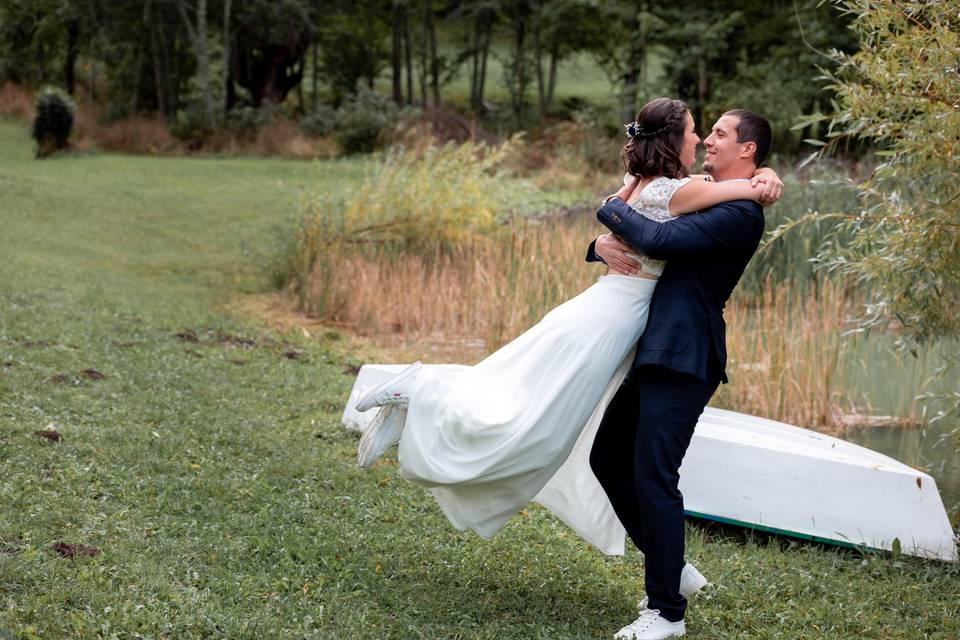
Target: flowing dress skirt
x=519, y=425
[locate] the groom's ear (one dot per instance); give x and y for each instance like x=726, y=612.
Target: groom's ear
x=749, y=149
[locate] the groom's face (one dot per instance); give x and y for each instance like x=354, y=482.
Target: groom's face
x=723, y=150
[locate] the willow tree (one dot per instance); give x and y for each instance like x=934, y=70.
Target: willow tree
x=900, y=93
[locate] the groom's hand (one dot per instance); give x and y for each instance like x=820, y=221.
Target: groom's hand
x=614, y=253
x=771, y=184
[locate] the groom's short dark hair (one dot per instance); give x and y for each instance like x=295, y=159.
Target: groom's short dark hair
x=754, y=128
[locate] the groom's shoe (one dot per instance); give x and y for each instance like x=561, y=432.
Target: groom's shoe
x=383, y=433
x=691, y=581
x=396, y=390
x=651, y=626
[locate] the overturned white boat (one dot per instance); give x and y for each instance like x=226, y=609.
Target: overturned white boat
x=768, y=475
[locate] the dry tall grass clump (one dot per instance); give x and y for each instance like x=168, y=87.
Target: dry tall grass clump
x=16, y=102
x=786, y=349
x=489, y=288
x=137, y=134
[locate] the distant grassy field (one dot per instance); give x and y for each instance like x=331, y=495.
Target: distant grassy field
x=202, y=459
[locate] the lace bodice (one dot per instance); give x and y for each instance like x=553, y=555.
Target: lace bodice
x=652, y=202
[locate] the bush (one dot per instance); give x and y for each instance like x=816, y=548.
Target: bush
x=191, y=125
x=429, y=204
x=320, y=122
x=53, y=122
x=246, y=122
x=364, y=120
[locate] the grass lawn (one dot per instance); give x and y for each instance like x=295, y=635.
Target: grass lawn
x=202, y=455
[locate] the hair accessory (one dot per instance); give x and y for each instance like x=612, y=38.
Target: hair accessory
x=634, y=129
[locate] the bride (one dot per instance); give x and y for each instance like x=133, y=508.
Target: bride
x=488, y=440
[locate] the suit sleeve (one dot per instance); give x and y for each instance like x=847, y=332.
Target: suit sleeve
x=732, y=226
x=592, y=253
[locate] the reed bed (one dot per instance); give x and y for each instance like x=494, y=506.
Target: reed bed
x=417, y=252
x=491, y=287
x=786, y=349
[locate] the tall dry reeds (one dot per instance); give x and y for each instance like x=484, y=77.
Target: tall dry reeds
x=786, y=352
x=490, y=287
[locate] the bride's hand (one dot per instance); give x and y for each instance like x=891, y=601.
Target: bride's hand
x=771, y=184
x=629, y=184
x=614, y=253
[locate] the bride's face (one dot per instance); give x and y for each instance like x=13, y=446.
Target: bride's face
x=690, y=141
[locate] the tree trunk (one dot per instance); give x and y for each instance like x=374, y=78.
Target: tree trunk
x=631, y=80
x=408, y=54
x=552, y=82
x=702, y=91
x=519, y=80
x=70, y=61
x=159, y=74
x=228, y=94
x=371, y=48
x=41, y=63
x=315, y=77
x=538, y=58
x=396, y=55
x=424, y=46
x=434, y=61
x=301, y=110
x=198, y=35
x=484, y=55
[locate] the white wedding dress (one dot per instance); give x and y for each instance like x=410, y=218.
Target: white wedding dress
x=519, y=425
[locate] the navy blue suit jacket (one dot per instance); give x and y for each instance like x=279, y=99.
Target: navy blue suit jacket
x=706, y=254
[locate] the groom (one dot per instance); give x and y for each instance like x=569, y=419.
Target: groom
x=680, y=360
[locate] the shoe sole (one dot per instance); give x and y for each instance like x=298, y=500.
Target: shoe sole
x=367, y=401
x=368, y=441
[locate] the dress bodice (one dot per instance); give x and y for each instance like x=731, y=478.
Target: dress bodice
x=653, y=202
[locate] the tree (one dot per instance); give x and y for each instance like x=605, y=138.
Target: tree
x=621, y=37
x=197, y=28
x=900, y=92
x=269, y=47
x=554, y=40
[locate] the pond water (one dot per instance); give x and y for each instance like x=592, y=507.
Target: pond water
x=887, y=383
x=931, y=449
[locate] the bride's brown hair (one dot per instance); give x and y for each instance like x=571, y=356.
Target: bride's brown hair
x=656, y=140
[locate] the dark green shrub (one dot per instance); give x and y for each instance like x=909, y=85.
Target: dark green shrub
x=53, y=122
x=320, y=122
x=191, y=125
x=364, y=120
x=246, y=122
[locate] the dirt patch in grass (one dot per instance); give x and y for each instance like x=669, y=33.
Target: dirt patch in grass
x=49, y=434
x=67, y=550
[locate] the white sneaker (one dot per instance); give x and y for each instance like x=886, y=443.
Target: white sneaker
x=384, y=432
x=396, y=390
x=691, y=581
x=650, y=626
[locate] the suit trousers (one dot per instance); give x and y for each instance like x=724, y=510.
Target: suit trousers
x=636, y=456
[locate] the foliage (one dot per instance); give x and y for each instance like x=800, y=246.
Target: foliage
x=901, y=92
x=363, y=119
x=53, y=122
x=245, y=122
x=191, y=124
x=421, y=200
x=319, y=122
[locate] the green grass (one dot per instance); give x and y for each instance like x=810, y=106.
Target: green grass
x=211, y=470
